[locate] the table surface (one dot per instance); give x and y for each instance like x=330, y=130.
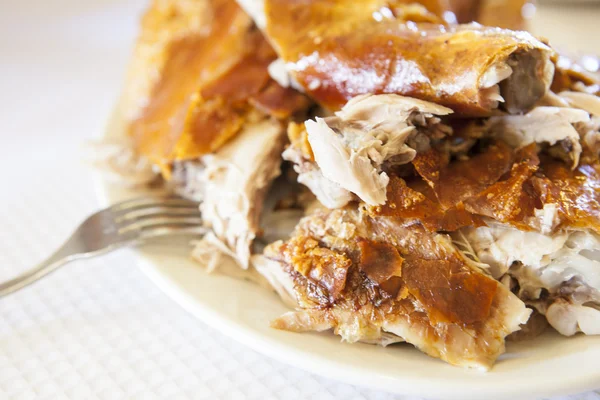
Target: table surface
x=99, y=329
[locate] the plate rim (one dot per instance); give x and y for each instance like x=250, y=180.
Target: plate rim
x=340, y=372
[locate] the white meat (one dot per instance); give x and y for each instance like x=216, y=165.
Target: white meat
x=329, y=193
x=235, y=180
x=583, y=101
x=541, y=125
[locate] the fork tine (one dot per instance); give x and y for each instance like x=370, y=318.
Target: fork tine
x=172, y=231
x=121, y=225
x=160, y=222
x=156, y=216
x=167, y=201
x=152, y=212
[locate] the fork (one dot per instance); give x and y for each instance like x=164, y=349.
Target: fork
x=124, y=224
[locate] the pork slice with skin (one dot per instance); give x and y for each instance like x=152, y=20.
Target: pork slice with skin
x=368, y=278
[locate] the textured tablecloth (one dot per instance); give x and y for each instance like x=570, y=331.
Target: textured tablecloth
x=96, y=329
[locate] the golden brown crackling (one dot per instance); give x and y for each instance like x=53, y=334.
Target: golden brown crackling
x=436, y=277
x=512, y=200
x=500, y=183
x=576, y=192
x=380, y=261
x=408, y=275
x=434, y=295
x=190, y=61
x=186, y=117
x=406, y=203
x=318, y=264
x=531, y=184
x=216, y=119
x=279, y=102
x=163, y=23
x=450, y=291
x=463, y=179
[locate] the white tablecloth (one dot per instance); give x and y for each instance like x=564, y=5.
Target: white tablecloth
x=96, y=329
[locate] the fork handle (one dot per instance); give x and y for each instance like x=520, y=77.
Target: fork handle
x=51, y=264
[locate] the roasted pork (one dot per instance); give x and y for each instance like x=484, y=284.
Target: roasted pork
x=369, y=278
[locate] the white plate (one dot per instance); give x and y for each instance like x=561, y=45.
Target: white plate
x=547, y=366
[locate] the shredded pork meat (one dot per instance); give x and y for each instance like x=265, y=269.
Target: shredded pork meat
x=551, y=125
x=235, y=181
x=546, y=268
x=368, y=135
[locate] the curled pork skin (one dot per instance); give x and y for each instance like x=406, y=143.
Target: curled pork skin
x=198, y=75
